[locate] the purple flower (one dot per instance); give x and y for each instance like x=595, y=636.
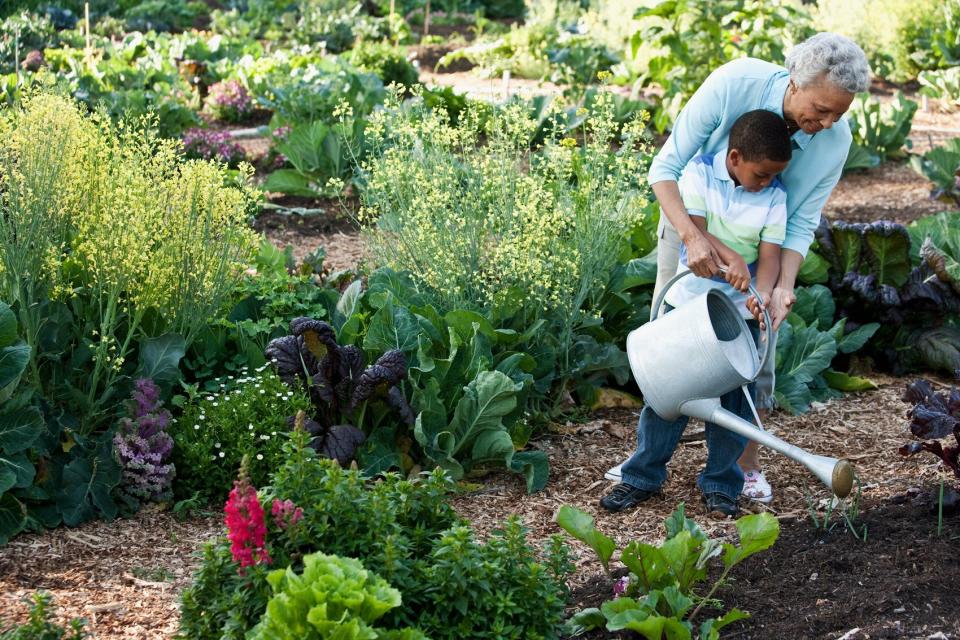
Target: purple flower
x=204, y=144
x=142, y=446
x=620, y=586
x=229, y=101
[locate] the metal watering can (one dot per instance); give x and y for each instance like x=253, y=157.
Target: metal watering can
x=685, y=360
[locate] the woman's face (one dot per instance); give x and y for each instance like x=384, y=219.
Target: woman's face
x=816, y=106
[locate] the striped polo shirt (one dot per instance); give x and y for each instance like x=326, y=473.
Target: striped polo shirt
x=739, y=218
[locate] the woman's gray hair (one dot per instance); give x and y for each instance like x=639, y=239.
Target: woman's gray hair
x=834, y=56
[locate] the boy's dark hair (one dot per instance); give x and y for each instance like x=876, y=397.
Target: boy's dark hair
x=761, y=135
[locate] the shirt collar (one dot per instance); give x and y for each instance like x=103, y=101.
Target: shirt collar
x=774, y=102
x=720, y=165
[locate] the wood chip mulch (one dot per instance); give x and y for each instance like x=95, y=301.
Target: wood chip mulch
x=125, y=576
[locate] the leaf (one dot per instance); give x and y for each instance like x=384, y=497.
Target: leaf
x=583, y=621
x=288, y=181
x=758, y=531
x=802, y=353
x=581, y=526
x=888, y=254
x=855, y=340
x=648, y=563
x=85, y=490
x=8, y=326
x=938, y=348
x=678, y=521
x=160, y=358
x=13, y=517
x=535, y=467
x=710, y=628
x=814, y=270
x=392, y=328
x=651, y=627
x=340, y=443
x=19, y=429
x=847, y=383
x=945, y=266
x=347, y=304
x=13, y=360
x=815, y=305
x=859, y=157
x=16, y=471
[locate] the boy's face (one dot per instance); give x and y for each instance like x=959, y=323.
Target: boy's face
x=753, y=175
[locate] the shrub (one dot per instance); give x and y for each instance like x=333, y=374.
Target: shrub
x=451, y=586
x=385, y=60
x=247, y=416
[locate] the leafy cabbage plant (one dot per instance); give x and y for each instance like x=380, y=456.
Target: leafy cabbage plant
x=876, y=273
x=941, y=166
x=332, y=597
x=348, y=397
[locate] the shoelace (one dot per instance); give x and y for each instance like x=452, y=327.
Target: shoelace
x=621, y=491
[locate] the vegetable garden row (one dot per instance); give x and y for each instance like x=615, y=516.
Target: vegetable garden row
x=155, y=350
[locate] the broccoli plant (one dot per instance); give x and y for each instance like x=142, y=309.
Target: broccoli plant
x=935, y=416
x=349, y=398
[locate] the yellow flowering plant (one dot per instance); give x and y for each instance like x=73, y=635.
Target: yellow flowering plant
x=526, y=234
x=113, y=250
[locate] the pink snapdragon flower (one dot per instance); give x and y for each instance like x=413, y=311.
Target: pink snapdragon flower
x=246, y=525
x=285, y=513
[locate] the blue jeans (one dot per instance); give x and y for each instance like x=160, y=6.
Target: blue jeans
x=658, y=438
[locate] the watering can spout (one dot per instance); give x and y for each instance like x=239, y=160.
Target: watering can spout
x=837, y=475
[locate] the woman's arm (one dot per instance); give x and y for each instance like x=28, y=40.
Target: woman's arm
x=702, y=258
x=768, y=268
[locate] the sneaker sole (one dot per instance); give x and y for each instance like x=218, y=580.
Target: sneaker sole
x=614, y=473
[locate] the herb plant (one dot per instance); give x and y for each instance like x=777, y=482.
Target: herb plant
x=39, y=626
x=246, y=416
x=659, y=598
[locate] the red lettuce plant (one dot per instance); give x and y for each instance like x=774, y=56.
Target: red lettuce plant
x=935, y=416
x=348, y=397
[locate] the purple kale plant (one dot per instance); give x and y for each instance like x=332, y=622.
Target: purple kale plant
x=934, y=417
x=143, y=447
x=229, y=102
x=204, y=144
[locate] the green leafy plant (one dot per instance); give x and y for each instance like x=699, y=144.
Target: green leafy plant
x=846, y=510
x=40, y=627
x=387, y=61
x=941, y=166
x=943, y=84
x=318, y=152
x=880, y=130
x=691, y=38
x=245, y=416
x=659, y=599
x=807, y=345
x=451, y=586
x=332, y=597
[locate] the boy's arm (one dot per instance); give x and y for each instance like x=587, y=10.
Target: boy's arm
x=738, y=275
x=768, y=270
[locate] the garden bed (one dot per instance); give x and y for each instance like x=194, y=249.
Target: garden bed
x=125, y=576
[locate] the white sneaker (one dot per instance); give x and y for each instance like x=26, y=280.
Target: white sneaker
x=614, y=473
x=756, y=487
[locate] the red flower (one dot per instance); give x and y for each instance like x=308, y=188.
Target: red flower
x=246, y=526
x=285, y=513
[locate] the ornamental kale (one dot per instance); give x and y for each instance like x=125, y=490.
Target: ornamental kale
x=229, y=102
x=349, y=399
x=203, y=144
x=143, y=447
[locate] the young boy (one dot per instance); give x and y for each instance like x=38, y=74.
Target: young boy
x=737, y=200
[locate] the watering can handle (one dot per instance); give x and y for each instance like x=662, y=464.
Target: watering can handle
x=658, y=304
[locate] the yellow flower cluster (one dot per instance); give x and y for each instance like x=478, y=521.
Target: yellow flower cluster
x=485, y=223
x=111, y=213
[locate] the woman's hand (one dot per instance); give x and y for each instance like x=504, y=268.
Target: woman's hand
x=756, y=307
x=781, y=301
x=702, y=259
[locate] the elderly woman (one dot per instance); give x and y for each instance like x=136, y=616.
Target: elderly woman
x=821, y=77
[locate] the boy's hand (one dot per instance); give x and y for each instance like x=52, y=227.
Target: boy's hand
x=737, y=273
x=756, y=307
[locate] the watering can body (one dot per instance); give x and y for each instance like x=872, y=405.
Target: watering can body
x=685, y=360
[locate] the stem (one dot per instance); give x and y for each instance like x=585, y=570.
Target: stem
x=940, y=510
x=716, y=585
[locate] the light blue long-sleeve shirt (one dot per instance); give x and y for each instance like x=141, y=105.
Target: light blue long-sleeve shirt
x=703, y=127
